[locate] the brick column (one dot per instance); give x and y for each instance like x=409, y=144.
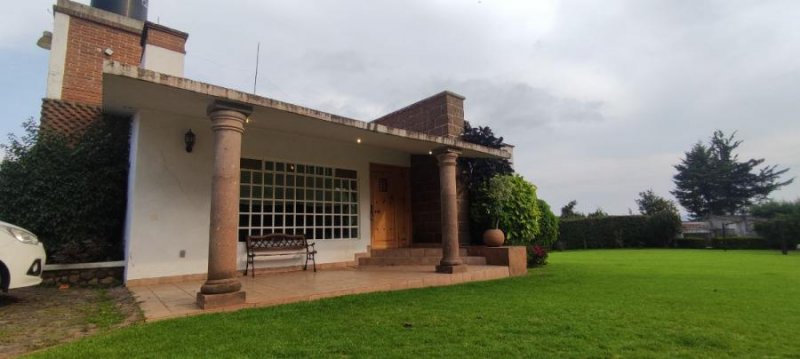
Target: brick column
x=222, y=287
x=451, y=259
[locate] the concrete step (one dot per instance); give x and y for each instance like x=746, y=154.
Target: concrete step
x=418, y=260
x=412, y=252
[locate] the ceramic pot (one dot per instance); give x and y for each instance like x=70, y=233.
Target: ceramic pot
x=493, y=238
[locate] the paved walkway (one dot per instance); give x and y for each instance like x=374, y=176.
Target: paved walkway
x=176, y=300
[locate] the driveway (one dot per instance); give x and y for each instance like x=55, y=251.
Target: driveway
x=38, y=317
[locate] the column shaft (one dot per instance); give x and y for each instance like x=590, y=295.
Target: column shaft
x=451, y=259
x=222, y=286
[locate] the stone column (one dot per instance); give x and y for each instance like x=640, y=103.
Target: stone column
x=451, y=259
x=222, y=288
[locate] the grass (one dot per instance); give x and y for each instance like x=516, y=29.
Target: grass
x=103, y=313
x=605, y=303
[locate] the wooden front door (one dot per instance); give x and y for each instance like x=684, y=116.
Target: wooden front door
x=390, y=206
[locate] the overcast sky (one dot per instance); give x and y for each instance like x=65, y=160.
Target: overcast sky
x=601, y=98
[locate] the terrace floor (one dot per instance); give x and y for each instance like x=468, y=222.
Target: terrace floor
x=164, y=301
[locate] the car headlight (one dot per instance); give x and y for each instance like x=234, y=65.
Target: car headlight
x=23, y=236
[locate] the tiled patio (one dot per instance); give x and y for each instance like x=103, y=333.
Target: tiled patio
x=176, y=300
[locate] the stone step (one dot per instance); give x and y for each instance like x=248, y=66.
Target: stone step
x=412, y=252
x=419, y=260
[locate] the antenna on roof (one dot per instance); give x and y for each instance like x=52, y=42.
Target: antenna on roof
x=255, y=81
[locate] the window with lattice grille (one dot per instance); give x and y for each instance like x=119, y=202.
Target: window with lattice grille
x=316, y=201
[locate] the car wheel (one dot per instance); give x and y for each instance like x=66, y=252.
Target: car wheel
x=5, y=278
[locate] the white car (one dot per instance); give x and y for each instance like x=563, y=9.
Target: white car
x=22, y=257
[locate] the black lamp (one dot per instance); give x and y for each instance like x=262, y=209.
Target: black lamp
x=189, y=138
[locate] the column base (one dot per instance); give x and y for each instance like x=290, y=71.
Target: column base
x=450, y=269
x=212, y=301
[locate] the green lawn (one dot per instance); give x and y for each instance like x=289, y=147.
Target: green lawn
x=604, y=303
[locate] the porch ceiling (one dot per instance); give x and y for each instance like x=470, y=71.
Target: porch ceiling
x=127, y=89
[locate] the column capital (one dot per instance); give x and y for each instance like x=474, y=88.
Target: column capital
x=447, y=156
x=446, y=150
x=228, y=115
x=219, y=105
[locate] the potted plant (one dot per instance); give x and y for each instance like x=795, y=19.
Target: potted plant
x=494, y=194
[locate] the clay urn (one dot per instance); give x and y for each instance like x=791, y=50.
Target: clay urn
x=493, y=237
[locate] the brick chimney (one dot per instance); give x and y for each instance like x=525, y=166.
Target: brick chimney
x=83, y=37
x=440, y=115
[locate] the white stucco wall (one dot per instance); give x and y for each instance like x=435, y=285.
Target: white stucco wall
x=169, y=200
x=162, y=60
x=58, y=56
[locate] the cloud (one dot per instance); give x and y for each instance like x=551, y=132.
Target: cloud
x=600, y=98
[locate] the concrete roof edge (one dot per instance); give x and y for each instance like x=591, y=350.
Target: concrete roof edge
x=167, y=29
x=134, y=72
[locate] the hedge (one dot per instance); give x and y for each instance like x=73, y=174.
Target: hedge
x=725, y=243
x=618, y=232
x=69, y=190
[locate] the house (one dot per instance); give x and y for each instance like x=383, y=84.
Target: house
x=718, y=226
x=256, y=165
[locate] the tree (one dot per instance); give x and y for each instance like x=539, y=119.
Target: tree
x=475, y=172
x=599, y=212
x=664, y=221
x=650, y=203
x=711, y=180
x=569, y=212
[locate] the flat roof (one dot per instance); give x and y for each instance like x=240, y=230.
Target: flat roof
x=127, y=89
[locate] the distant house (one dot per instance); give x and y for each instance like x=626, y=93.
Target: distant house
x=721, y=226
x=255, y=165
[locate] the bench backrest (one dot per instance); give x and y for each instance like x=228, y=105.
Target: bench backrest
x=276, y=241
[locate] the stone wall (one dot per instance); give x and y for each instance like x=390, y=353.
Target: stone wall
x=102, y=277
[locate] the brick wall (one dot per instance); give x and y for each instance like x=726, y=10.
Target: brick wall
x=165, y=37
x=441, y=115
x=426, y=203
x=68, y=117
x=83, y=70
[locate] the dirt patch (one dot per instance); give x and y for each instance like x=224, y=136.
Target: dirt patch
x=38, y=317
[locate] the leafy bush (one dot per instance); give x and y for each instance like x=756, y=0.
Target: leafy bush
x=617, y=232
x=508, y=202
x=548, y=225
x=69, y=190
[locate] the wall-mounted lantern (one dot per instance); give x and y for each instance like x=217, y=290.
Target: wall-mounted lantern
x=189, y=139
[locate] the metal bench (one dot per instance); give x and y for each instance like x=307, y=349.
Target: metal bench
x=278, y=244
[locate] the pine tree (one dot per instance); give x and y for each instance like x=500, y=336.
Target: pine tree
x=711, y=180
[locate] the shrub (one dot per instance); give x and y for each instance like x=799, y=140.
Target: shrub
x=508, y=202
x=548, y=225
x=537, y=256
x=69, y=190
x=618, y=231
